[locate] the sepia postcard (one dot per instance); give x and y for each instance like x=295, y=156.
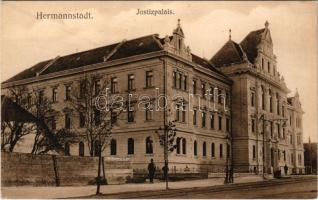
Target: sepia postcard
x=159, y=99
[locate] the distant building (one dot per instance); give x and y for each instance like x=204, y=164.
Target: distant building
x=310, y=157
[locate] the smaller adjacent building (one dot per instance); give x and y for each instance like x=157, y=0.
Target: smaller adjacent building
x=310, y=156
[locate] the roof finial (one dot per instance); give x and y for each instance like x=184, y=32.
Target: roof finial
x=266, y=24
x=230, y=36
x=178, y=22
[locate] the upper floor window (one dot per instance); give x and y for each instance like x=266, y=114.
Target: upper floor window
x=130, y=113
x=269, y=67
x=194, y=86
x=194, y=117
x=220, y=122
x=228, y=124
x=113, y=85
x=149, y=111
x=254, y=152
x=253, y=125
x=220, y=96
x=149, y=79
x=67, y=121
x=270, y=101
x=81, y=119
x=97, y=87
x=203, y=119
x=195, y=148
x=174, y=79
x=262, y=64
x=212, y=120
x=82, y=89
x=180, y=81
x=67, y=92
x=277, y=104
x=203, y=90
x=263, y=98
x=183, y=113
x=252, y=98
x=40, y=98
x=185, y=83
x=131, y=82
x=54, y=95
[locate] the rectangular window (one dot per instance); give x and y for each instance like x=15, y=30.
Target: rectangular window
x=220, y=123
x=262, y=63
x=174, y=79
x=178, y=108
x=252, y=98
x=97, y=117
x=82, y=89
x=67, y=92
x=254, y=152
x=203, y=90
x=54, y=95
x=221, y=150
x=113, y=85
x=212, y=120
x=97, y=87
x=278, y=130
x=269, y=67
x=185, y=83
x=180, y=81
x=219, y=96
x=194, y=117
x=29, y=99
x=53, y=123
x=194, y=86
x=227, y=124
x=271, y=129
x=130, y=113
x=41, y=97
x=131, y=82
x=183, y=114
x=149, y=77
x=149, y=112
x=203, y=119
x=81, y=120
x=253, y=125
x=67, y=121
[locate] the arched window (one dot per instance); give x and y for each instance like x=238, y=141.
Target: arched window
x=131, y=146
x=96, y=148
x=178, y=145
x=113, y=147
x=149, y=148
x=67, y=149
x=81, y=151
x=184, y=146
x=213, y=150
x=195, y=148
x=204, y=149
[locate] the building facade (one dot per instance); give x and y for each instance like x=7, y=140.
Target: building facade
x=267, y=134
x=216, y=105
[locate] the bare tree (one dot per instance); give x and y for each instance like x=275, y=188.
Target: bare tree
x=96, y=121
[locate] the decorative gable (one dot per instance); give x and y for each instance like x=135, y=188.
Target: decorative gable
x=175, y=44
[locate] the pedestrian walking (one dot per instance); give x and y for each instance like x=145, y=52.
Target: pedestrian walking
x=151, y=170
x=286, y=169
x=165, y=170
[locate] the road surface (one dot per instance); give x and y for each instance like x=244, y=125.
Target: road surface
x=284, y=188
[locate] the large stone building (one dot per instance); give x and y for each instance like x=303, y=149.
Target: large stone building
x=259, y=101
x=217, y=101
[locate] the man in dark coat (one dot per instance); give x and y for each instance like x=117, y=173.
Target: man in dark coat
x=286, y=169
x=151, y=170
x=165, y=170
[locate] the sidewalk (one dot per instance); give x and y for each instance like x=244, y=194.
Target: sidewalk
x=78, y=191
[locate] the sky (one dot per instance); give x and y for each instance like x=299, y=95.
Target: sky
x=26, y=40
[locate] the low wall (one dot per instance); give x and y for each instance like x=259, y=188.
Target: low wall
x=28, y=169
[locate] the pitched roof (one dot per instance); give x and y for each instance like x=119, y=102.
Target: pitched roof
x=115, y=51
x=230, y=53
x=251, y=42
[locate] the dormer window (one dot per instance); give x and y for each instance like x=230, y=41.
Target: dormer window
x=180, y=43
